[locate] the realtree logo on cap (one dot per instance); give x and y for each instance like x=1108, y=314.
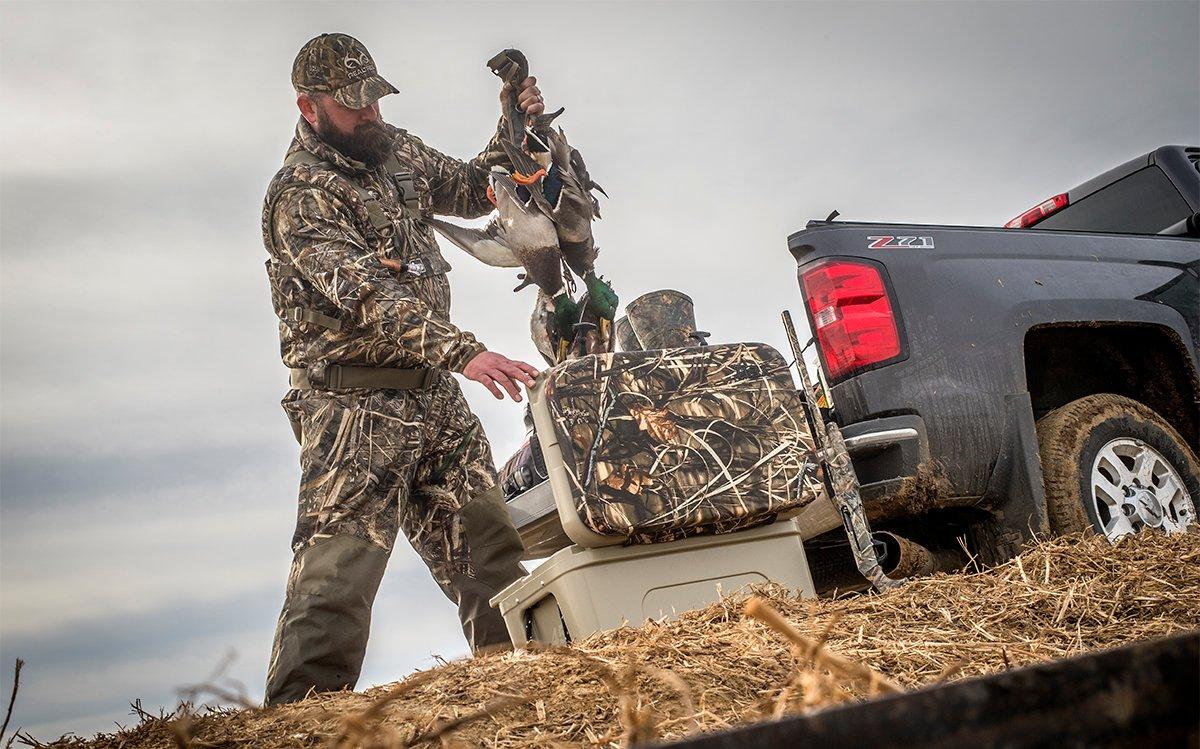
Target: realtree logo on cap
x=359, y=67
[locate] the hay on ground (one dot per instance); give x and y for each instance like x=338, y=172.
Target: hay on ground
x=716, y=668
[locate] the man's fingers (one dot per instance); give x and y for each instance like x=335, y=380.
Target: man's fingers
x=528, y=369
x=513, y=370
x=532, y=106
x=492, y=370
x=506, y=383
x=490, y=384
x=529, y=97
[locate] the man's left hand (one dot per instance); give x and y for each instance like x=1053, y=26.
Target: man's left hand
x=529, y=96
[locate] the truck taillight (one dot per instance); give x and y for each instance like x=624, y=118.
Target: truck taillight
x=1039, y=212
x=851, y=315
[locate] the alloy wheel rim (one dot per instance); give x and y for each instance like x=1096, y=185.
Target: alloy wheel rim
x=1134, y=487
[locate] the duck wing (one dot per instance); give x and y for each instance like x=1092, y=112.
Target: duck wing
x=574, y=209
x=541, y=328
x=486, y=245
x=570, y=161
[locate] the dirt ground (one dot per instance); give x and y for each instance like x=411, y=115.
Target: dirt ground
x=718, y=667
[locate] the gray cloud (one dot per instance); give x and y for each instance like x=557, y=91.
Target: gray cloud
x=147, y=476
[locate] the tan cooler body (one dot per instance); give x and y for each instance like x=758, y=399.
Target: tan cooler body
x=578, y=591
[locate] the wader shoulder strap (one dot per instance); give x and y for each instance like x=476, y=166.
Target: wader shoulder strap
x=403, y=178
x=405, y=183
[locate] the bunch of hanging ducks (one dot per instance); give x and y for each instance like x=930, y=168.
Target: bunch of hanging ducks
x=543, y=223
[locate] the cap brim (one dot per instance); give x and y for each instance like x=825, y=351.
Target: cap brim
x=364, y=93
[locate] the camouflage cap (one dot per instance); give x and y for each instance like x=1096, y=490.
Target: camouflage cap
x=339, y=65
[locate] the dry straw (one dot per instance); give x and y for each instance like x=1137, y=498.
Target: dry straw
x=718, y=667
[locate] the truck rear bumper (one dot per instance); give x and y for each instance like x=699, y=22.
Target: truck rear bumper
x=886, y=452
x=900, y=479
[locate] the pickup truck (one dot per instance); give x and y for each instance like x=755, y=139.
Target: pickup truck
x=994, y=384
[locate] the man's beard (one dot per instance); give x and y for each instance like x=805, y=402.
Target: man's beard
x=369, y=143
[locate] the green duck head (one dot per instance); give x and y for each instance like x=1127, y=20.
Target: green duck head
x=565, y=315
x=601, y=297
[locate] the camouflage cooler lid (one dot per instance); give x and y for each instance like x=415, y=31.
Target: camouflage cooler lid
x=681, y=442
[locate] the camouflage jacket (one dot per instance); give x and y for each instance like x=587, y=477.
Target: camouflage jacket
x=325, y=256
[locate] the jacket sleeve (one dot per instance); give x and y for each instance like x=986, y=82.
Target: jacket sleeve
x=460, y=187
x=316, y=233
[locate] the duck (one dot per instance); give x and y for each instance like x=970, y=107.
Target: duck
x=563, y=192
x=593, y=332
x=523, y=130
x=520, y=234
x=573, y=209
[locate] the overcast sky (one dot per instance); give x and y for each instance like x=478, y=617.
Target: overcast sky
x=147, y=473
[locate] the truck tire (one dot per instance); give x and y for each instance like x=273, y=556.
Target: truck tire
x=1113, y=466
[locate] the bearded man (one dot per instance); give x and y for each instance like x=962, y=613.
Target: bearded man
x=387, y=442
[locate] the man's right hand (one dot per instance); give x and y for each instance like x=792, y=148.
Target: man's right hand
x=491, y=369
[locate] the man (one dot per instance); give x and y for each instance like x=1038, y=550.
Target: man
x=388, y=444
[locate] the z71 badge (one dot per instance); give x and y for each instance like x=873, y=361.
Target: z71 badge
x=887, y=243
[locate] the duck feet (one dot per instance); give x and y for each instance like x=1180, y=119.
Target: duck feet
x=525, y=281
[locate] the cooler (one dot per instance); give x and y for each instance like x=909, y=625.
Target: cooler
x=666, y=474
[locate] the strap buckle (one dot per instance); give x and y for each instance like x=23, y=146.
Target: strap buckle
x=311, y=316
x=331, y=377
x=328, y=377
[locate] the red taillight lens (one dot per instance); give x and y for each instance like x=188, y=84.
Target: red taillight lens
x=1038, y=212
x=851, y=315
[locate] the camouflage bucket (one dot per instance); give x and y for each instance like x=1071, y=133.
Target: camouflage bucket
x=627, y=340
x=663, y=319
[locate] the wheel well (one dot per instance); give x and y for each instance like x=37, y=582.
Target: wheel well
x=1147, y=363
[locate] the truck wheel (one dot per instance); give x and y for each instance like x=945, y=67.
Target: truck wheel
x=1114, y=466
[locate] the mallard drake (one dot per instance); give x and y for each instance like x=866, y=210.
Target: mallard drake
x=564, y=194
x=571, y=206
x=519, y=234
x=594, y=333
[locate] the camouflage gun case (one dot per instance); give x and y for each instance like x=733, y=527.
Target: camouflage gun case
x=651, y=446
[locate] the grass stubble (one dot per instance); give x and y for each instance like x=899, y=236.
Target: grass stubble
x=759, y=654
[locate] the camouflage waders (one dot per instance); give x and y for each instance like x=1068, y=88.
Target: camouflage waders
x=373, y=464
x=360, y=289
